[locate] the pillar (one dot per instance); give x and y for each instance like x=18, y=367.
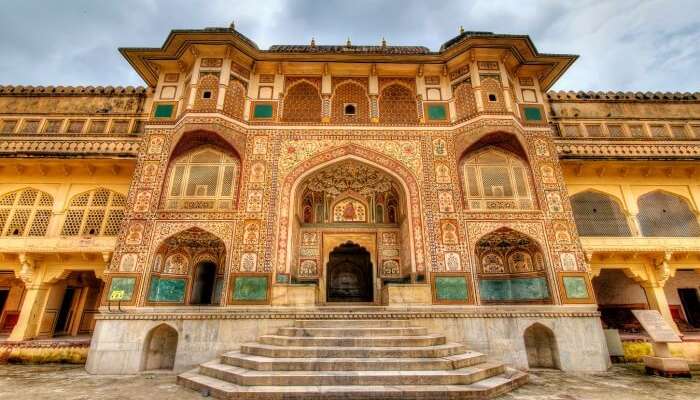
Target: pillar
x=657, y=301
x=35, y=296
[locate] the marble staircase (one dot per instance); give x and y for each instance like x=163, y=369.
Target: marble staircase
x=352, y=359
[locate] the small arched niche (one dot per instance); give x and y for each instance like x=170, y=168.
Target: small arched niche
x=160, y=348
x=541, y=347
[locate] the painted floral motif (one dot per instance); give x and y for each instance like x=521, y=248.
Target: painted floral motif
x=349, y=210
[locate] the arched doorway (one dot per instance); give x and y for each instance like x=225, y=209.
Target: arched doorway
x=187, y=268
x=350, y=200
x=203, y=286
x=512, y=269
x=160, y=348
x=349, y=274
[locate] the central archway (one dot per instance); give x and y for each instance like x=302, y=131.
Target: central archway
x=349, y=274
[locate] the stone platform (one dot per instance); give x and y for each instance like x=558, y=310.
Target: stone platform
x=364, y=359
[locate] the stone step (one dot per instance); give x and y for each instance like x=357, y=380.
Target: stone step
x=352, y=323
x=263, y=363
x=247, y=377
x=372, y=341
x=268, y=350
x=484, y=389
x=353, y=332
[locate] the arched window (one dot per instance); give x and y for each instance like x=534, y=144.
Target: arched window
x=597, y=214
x=25, y=212
x=204, y=178
x=666, y=215
x=98, y=212
x=496, y=180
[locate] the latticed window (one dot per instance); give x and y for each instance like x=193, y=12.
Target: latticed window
x=25, y=213
x=98, y=212
x=597, y=214
x=496, y=180
x=203, y=179
x=666, y=215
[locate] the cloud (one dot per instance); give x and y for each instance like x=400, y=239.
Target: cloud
x=624, y=44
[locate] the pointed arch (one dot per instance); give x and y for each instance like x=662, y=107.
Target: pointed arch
x=541, y=347
x=397, y=104
x=203, y=177
x=179, y=259
x=599, y=214
x=465, y=102
x=512, y=268
x=160, y=348
x=302, y=102
x=494, y=177
x=25, y=212
x=234, y=100
x=289, y=192
x=665, y=214
x=97, y=212
x=350, y=91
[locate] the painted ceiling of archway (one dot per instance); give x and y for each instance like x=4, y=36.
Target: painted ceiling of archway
x=349, y=176
x=504, y=238
x=194, y=238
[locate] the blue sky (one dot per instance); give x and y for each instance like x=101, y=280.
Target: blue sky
x=624, y=45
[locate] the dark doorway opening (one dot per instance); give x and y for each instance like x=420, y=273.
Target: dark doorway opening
x=4, y=294
x=64, y=313
x=691, y=305
x=204, y=280
x=349, y=274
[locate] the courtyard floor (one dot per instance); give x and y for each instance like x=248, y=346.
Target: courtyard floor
x=67, y=382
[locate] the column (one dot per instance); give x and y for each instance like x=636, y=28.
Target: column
x=194, y=80
x=476, y=86
x=657, y=301
x=35, y=296
x=224, y=77
x=373, y=96
x=658, y=272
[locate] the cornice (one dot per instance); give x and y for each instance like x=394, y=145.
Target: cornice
x=73, y=146
x=224, y=313
x=576, y=148
x=666, y=97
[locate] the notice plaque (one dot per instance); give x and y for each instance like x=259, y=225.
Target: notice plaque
x=656, y=326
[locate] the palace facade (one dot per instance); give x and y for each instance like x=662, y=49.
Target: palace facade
x=244, y=188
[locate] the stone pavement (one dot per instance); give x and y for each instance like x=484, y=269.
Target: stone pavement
x=67, y=382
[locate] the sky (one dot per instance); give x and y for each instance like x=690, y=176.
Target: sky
x=624, y=45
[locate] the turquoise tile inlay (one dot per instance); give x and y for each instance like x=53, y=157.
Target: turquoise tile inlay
x=262, y=111
x=123, y=284
x=451, y=288
x=163, y=111
x=250, y=288
x=517, y=289
x=171, y=290
x=575, y=287
x=282, y=278
x=533, y=113
x=437, y=112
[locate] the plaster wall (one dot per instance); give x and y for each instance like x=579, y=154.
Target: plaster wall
x=118, y=344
